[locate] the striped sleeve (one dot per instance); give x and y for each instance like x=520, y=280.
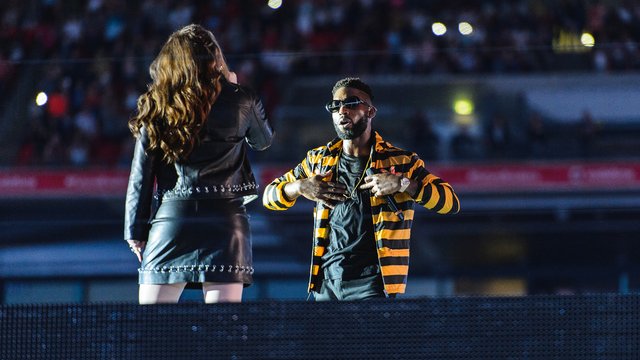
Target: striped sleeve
x=434, y=193
x=274, y=197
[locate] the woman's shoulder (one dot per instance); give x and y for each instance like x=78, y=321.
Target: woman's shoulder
x=236, y=92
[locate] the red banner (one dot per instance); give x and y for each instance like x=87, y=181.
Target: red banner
x=464, y=178
x=63, y=183
x=542, y=177
x=527, y=176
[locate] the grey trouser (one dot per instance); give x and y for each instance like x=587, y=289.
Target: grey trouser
x=369, y=287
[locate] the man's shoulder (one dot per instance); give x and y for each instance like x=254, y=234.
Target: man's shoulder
x=240, y=94
x=327, y=149
x=319, y=150
x=386, y=146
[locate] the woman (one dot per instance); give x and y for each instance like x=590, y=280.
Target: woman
x=190, y=178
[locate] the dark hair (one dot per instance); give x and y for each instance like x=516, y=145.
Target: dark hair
x=352, y=82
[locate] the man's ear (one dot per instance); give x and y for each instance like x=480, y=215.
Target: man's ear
x=371, y=113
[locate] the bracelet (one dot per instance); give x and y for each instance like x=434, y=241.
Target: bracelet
x=404, y=184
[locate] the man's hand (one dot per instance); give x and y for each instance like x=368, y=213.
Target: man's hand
x=315, y=188
x=384, y=183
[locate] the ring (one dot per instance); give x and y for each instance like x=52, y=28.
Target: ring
x=132, y=250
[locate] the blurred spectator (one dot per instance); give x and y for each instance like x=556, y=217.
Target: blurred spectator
x=78, y=152
x=463, y=145
x=498, y=137
x=588, y=133
x=54, y=152
x=58, y=104
x=86, y=124
x=101, y=49
x=421, y=135
x=536, y=136
x=32, y=147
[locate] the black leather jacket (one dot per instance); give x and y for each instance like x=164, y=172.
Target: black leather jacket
x=218, y=166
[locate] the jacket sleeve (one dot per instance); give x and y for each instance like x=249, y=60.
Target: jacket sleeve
x=433, y=193
x=260, y=133
x=274, y=197
x=139, y=191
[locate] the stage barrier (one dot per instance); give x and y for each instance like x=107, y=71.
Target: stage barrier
x=534, y=327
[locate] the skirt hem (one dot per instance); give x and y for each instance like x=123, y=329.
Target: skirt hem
x=193, y=277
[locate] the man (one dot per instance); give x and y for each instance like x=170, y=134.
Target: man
x=365, y=189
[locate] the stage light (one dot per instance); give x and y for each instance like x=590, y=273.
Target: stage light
x=41, y=98
x=587, y=40
x=566, y=41
x=274, y=4
x=463, y=107
x=439, y=28
x=465, y=28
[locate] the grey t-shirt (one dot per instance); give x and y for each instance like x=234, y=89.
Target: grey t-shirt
x=351, y=253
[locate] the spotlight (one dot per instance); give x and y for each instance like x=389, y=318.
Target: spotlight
x=439, y=28
x=587, y=40
x=465, y=28
x=41, y=98
x=274, y=4
x=463, y=107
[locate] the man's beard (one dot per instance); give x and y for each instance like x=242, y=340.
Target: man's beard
x=356, y=130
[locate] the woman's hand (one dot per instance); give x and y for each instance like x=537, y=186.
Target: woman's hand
x=232, y=77
x=137, y=247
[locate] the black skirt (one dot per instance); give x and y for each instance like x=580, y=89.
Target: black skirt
x=196, y=241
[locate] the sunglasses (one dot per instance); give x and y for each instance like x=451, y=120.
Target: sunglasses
x=350, y=103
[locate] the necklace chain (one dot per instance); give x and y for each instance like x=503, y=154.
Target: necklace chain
x=364, y=172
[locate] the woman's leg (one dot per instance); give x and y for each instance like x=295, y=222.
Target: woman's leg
x=160, y=293
x=222, y=292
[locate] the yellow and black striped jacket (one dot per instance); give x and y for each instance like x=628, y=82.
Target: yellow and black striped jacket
x=391, y=234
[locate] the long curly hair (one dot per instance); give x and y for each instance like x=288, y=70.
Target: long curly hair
x=186, y=81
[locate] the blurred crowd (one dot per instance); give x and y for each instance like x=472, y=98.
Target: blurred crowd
x=91, y=57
